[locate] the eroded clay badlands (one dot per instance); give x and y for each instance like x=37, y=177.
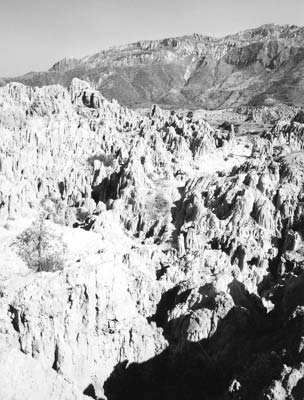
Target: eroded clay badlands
x=184, y=272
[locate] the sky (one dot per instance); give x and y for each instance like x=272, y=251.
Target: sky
x=34, y=34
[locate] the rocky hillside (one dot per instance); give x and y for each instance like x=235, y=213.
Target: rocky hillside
x=183, y=274
x=262, y=66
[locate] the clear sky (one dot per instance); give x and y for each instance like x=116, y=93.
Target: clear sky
x=34, y=34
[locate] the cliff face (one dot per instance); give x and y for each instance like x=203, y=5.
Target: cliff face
x=257, y=66
x=183, y=274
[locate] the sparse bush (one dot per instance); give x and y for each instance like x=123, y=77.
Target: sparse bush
x=158, y=207
x=106, y=159
x=41, y=247
x=299, y=117
x=82, y=214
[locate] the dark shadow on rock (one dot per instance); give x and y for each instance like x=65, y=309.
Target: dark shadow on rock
x=167, y=301
x=298, y=391
x=170, y=375
x=241, y=297
x=242, y=346
x=90, y=392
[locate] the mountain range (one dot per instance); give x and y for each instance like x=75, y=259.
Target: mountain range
x=262, y=66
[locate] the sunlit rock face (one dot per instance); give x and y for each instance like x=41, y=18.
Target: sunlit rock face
x=183, y=271
x=83, y=321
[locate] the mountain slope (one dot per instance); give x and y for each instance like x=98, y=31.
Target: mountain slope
x=257, y=66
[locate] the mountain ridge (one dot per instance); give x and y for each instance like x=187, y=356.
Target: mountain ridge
x=260, y=66
x=194, y=35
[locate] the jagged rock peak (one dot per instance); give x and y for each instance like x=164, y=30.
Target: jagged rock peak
x=65, y=64
x=83, y=94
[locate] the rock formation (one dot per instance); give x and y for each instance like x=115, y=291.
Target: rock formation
x=183, y=276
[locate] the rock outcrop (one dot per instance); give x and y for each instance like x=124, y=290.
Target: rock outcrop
x=184, y=268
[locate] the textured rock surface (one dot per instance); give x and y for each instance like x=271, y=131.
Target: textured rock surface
x=23, y=378
x=184, y=268
x=261, y=66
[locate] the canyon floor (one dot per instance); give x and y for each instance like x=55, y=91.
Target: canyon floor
x=182, y=273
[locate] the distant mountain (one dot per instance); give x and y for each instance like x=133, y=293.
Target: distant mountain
x=261, y=66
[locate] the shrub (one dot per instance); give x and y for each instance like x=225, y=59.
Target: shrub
x=41, y=248
x=299, y=117
x=158, y=207
x=106, y=159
